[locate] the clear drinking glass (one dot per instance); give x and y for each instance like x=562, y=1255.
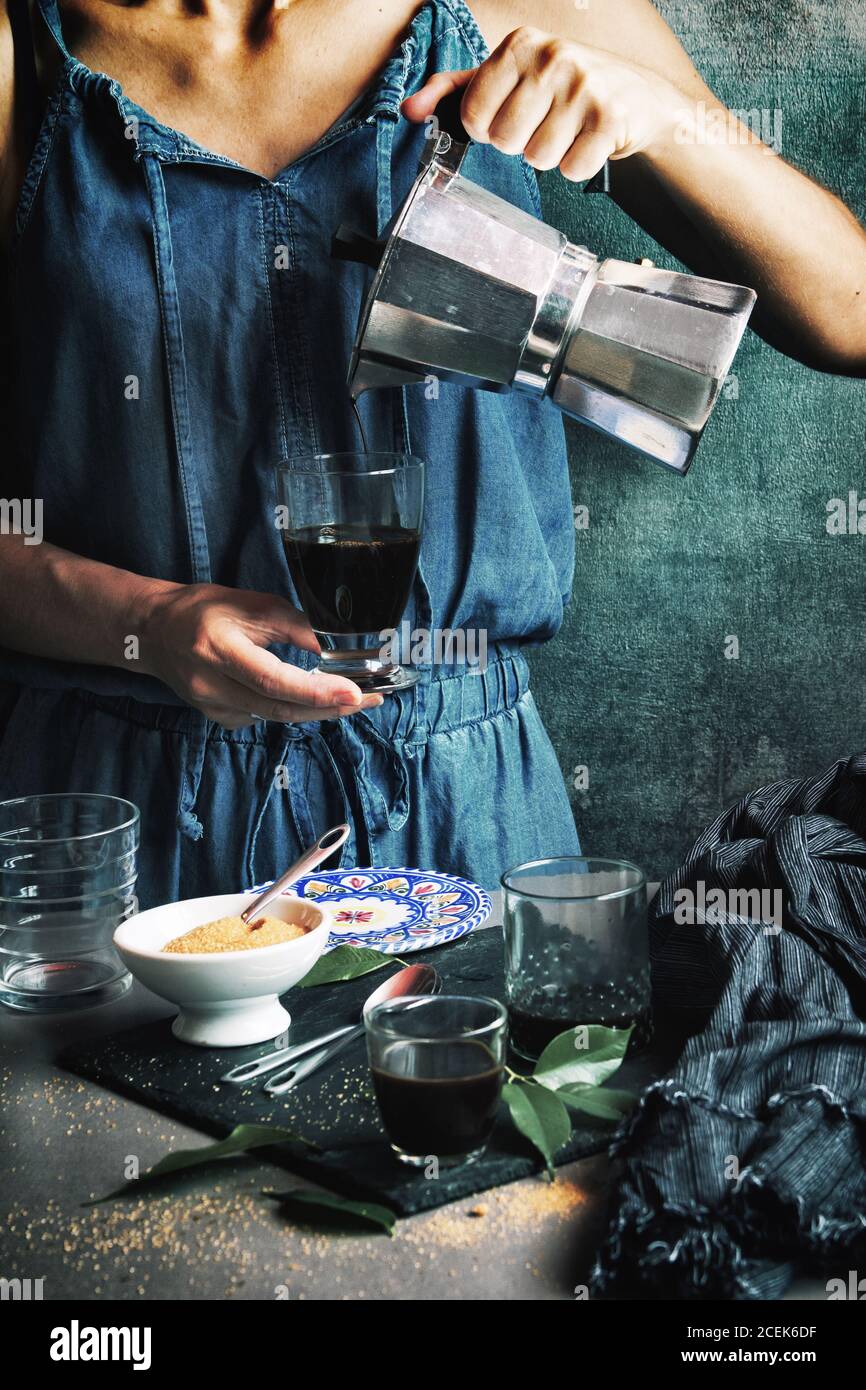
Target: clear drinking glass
x=437, y=1071
x=576, y=949
x=351, y=529
x=67, y=880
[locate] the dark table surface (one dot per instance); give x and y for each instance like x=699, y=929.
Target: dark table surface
x=213, y=1237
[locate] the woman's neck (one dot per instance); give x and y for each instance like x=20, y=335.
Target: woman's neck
x=241, y=16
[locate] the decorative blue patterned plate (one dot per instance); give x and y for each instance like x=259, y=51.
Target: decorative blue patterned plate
x=396, y=910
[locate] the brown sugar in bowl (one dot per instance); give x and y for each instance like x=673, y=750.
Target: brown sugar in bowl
x=227, y=997
x=234, y=934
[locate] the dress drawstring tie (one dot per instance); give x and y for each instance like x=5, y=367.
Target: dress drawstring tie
x=368, y=775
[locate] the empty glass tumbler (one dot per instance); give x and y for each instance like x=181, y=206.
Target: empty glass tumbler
x=576, y=949
x=67, y=880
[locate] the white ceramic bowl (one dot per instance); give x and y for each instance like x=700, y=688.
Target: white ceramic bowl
x=226, y=998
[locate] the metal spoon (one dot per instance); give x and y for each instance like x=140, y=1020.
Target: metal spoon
x=325, y=845
x=412, y=979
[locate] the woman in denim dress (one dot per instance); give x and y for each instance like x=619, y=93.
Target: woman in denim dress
x=172, y=177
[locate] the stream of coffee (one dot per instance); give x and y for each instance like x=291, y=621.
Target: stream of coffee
x=359, y=423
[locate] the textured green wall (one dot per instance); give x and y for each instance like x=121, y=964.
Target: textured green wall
x=636, y=686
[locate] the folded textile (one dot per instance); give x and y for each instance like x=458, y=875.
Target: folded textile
x=746, y=1165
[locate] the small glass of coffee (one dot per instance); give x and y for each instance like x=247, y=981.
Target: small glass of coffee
x=351, y=530
x=437, y=1065
x=576, y=950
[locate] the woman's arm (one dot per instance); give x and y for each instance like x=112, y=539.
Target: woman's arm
x=207, y=643
x=612, y=81
x=8, y=154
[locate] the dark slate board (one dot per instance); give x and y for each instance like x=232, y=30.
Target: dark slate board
x=335, y=1108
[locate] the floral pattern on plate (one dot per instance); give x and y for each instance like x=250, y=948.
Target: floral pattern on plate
x=396, y=910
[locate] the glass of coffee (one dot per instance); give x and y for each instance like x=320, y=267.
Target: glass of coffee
x=437, y=1064
x=351, y=530
x=576, y=950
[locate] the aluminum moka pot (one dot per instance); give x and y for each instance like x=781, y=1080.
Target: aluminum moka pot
x=468, y=288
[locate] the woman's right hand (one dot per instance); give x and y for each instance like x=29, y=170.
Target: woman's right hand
x=209, y=645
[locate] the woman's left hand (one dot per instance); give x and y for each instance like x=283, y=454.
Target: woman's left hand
x=558, y=103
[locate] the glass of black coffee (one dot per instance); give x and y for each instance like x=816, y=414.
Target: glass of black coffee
x=437, y=1065
x=576, y=950
x=351, y=531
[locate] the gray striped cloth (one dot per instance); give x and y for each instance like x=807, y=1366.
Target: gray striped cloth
x=746, y=1164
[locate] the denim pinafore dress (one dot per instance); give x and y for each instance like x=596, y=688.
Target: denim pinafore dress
x=178, y=326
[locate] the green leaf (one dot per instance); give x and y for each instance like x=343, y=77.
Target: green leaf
x=540, y=1115
x=242, y=1139
x=598, y=1101
x=585, y=1055
x=346, y=963
x=301, y=1202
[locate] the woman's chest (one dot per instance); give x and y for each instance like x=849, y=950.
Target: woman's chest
x=261, y=99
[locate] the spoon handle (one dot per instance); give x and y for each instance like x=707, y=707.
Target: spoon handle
x=325, y=845
x=287, y=1080
x=247, y=1071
